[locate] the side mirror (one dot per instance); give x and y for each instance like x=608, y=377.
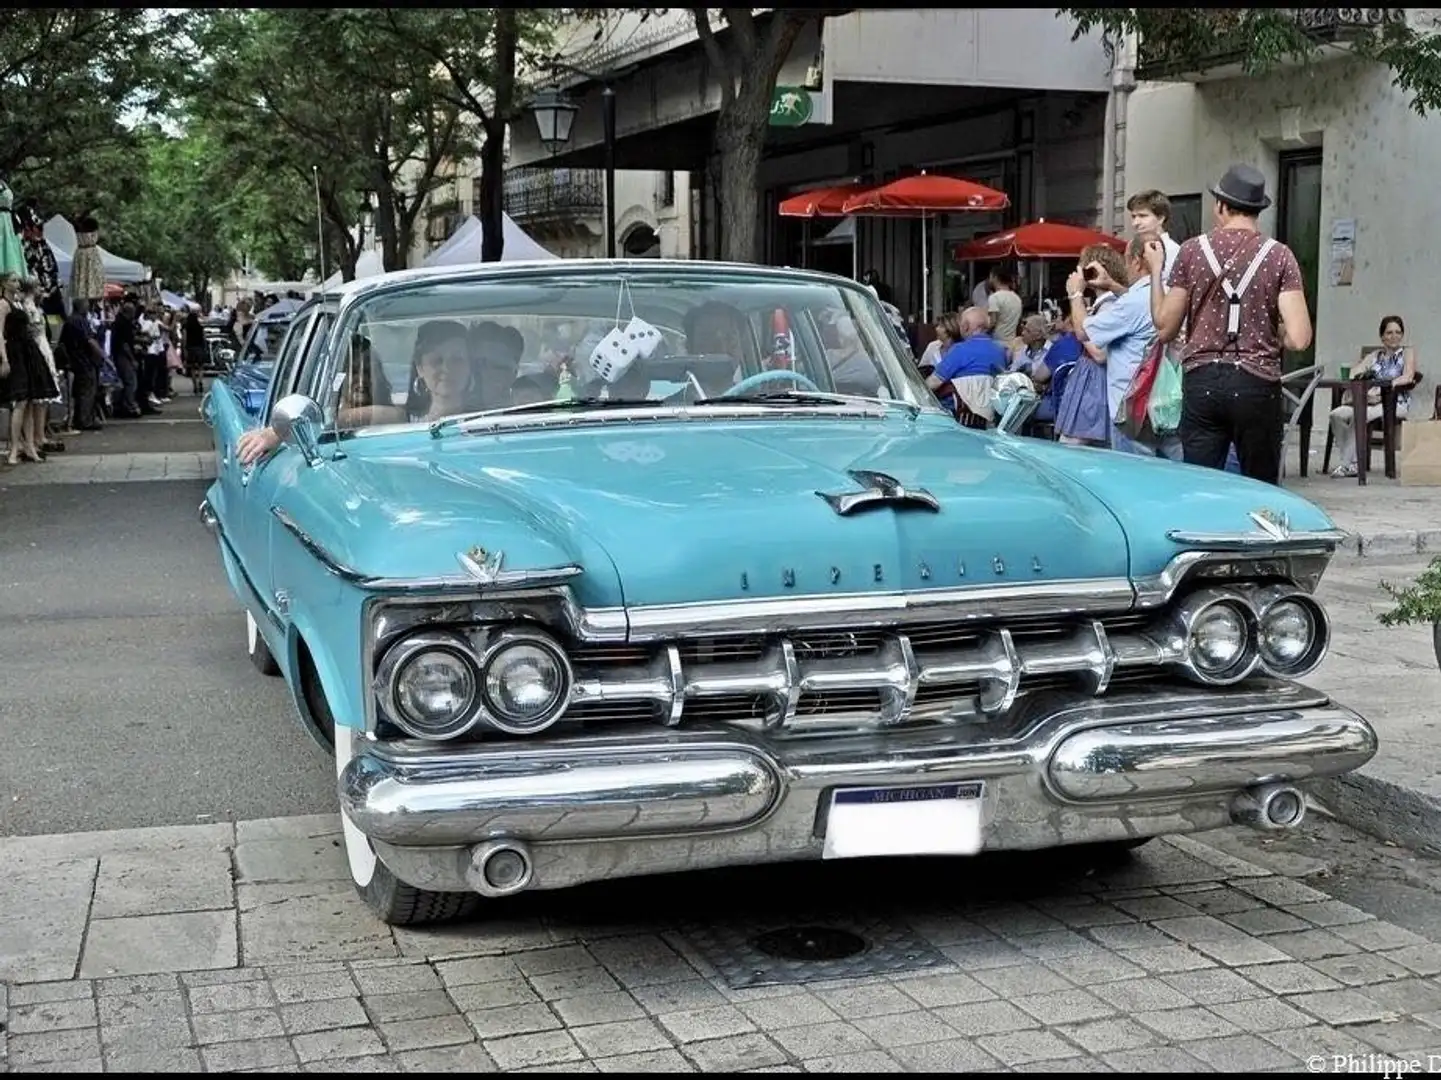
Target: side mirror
x=297, y=420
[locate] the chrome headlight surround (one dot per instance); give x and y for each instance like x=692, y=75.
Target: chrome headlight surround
x=398, y=661
x=1191, y=616
x=1273, y=606
x=544, y=649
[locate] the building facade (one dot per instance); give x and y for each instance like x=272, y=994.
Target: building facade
x=1003, y=97
x=1345, y=157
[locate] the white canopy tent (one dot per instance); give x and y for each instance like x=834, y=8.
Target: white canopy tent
x=369, y=264
x=464, y=245
x=60, y=235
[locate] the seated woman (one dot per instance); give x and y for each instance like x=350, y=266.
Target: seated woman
x=718, y=329
x=1394, y=363
x=496, y=353
x=443, y=382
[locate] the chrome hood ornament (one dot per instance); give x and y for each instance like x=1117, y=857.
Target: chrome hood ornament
x=482, y=565
x=879, y=490
x=1274, y=524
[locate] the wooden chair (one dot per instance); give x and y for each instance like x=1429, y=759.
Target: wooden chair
x=1376, y=434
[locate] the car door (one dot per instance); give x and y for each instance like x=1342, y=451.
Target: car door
x=273, y=477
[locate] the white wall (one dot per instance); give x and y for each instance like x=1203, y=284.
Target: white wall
x=1010, y=48
x=1379, y=161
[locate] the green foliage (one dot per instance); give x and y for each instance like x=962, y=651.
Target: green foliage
x=296, y=93
x=67, y=77
x=1419, y=602
x=1195, y=39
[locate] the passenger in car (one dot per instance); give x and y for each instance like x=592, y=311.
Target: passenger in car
x=443, y=382
x=496, y=351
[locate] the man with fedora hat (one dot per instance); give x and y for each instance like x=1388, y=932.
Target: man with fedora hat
x=1239, y=295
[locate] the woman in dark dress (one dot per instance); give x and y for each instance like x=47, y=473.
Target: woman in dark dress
x=26, y=384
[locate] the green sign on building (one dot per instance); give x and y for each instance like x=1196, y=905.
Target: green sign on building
x=791, y=106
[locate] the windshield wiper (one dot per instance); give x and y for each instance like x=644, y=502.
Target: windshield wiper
x=809, y=397
x=534, y=407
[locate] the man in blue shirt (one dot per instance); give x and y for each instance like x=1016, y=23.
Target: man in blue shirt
x=977, y=353
x=1119, y=334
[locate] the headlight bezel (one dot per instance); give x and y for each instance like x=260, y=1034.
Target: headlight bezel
x=498, y=641
x=1188, y=615
x=1266, y=601
x=403, y=653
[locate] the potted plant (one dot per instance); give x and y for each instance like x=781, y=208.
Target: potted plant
x=1419, y=602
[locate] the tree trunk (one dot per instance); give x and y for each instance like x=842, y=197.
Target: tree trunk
x=492, y=154
x=392, y=258
x=740, y=139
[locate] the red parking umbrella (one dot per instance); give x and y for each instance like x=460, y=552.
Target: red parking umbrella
x=822, y=202
x=920, y=196
x=1037, y=240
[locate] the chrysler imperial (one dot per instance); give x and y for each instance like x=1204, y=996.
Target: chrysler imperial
x=596, y=569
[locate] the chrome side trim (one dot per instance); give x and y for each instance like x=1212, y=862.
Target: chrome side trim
x=1304, y=566
x=855, y=611
x=1259, y=541
x=208, y=517
x=456, y=583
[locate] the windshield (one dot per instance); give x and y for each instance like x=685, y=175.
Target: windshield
x=638, y=337
x=262, y=344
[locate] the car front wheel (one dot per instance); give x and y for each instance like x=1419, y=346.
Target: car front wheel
x=260, y=655
x=391, y=899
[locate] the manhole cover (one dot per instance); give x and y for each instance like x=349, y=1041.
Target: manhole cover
x=818, y=946
x=810, y=944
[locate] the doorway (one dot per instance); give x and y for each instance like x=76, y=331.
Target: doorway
x=1298, y=226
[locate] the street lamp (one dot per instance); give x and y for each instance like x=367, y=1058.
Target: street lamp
x=555, y=116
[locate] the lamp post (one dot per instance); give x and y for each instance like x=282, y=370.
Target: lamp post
x=555, y=116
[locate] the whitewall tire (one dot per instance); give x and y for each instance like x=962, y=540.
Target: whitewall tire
x=260, y=655
x=391, y=899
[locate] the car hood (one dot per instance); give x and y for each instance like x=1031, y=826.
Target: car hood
x=718, y=510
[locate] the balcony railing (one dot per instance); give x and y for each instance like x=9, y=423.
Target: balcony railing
x=554, y=194
x=1175, y=51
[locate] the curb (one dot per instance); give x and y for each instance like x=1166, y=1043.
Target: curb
x=1390, y=545
x=1398, y=815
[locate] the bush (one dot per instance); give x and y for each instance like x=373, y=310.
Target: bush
x=1419, y=602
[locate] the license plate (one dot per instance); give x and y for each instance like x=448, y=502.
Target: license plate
x=923, y=819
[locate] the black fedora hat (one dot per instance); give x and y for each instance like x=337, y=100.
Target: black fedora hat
x=1244, y=188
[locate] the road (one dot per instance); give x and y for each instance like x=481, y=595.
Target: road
x=126, y=698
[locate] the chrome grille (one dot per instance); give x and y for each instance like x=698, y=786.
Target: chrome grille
x=839, y=679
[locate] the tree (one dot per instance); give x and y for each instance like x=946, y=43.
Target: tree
x=1197, y=38
x=746, y=49
x=328, y=91
x=67, y=76
x=481, y=52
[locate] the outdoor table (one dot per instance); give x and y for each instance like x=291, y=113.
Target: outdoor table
x=1358, y=389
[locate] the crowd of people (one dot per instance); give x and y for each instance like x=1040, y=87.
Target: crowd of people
x=104, y=359
x=1216, y=311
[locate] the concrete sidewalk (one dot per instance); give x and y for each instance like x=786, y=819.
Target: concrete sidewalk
x=244, y=947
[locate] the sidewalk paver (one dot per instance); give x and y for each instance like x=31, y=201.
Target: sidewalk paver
x=71, y=468
x=1184, y=957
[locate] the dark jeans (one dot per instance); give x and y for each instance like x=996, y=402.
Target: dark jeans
x=85, y=395
x=1220, y=405
x=161, y=379
x=128, y=403
x=144, y=380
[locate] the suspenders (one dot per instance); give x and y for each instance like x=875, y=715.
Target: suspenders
x=1234, y=293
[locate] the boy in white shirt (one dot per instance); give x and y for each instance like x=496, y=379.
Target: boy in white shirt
x=1150, y=219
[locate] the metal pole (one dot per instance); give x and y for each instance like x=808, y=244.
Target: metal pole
x=608, y=101
x=319, y=223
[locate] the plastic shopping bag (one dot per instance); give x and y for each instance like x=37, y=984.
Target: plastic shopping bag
x=1135, y=420
x=1164, y=408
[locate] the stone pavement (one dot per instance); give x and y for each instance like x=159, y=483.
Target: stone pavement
x=243, y=947
x=71, y=468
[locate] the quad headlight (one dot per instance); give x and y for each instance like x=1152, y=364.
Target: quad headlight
x=440, y=685
x=527, y=681
x=431, y=686
x=1217, y=638
x=1292, y=630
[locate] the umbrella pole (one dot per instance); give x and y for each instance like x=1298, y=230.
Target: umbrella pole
x=855, y=249
x=925, y=268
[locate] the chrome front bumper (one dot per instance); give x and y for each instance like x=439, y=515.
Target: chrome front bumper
x=1058, y=770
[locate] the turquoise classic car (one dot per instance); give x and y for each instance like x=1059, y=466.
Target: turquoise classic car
x=596, y=569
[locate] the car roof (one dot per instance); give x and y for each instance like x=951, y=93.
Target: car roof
x=361, y=286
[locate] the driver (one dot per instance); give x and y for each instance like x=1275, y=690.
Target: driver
x=718, y=329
